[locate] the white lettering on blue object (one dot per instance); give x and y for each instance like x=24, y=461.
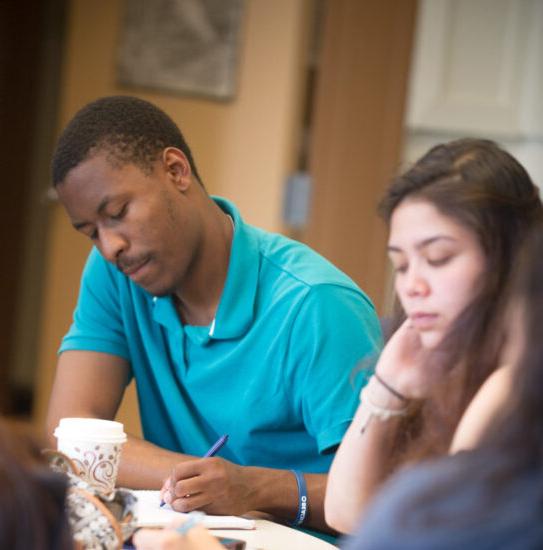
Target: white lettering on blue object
x=303, y=508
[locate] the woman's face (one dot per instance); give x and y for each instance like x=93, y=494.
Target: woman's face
x=438, y=265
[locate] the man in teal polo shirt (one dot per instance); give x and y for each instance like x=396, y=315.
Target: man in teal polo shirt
x=226, y=328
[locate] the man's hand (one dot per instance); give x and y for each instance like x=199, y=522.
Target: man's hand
x=213, y=485
x=218, y=486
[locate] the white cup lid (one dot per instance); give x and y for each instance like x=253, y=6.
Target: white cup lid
x=90, y=429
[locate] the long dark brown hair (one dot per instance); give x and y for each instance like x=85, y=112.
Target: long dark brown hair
x=510, y=451
x=517, y=433
x=483, y=188
x=31, y=495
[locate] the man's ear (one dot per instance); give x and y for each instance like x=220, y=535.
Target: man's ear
x=177, y=168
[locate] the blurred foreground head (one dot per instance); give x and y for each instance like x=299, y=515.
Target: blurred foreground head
x=31, y=495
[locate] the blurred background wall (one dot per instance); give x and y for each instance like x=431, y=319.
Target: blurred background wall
x=338, y=91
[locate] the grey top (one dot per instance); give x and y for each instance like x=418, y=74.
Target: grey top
x=446, y=504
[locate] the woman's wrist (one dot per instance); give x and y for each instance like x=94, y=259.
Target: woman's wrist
x=378, y=402
x=381, y=396
x=390, y=388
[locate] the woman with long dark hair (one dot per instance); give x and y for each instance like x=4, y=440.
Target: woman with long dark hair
x=457, y=220
x=490, y=497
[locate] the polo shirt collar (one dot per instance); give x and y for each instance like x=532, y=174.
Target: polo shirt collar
x=236, y=309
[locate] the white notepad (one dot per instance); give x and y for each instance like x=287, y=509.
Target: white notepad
x=150, y=514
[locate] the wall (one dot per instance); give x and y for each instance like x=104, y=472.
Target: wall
x=244, y=149
x=357, y=134
x=477, y=71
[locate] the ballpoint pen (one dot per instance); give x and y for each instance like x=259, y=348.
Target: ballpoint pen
x=213, y=450
x=216, y=447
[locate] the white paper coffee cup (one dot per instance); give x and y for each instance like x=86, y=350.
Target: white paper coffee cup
x=95, y=446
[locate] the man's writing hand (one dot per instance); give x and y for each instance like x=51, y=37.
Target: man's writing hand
x=213, y=485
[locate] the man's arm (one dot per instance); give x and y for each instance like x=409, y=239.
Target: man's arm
x=218, y=486
x=87, y=384
x=91, y=384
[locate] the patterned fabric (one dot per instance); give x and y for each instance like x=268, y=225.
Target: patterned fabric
x=98, y=521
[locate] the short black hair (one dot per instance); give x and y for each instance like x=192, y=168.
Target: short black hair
x=129, y=129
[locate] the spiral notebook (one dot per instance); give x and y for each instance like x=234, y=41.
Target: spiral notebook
x=150, y=514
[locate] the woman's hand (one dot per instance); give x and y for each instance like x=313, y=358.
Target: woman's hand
x=408, y=367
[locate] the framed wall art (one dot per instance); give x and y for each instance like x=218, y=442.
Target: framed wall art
x=183, y=46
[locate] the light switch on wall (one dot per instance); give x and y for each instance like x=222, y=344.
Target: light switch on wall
x=296, y=200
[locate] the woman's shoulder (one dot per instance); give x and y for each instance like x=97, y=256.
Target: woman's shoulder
x=484, y=407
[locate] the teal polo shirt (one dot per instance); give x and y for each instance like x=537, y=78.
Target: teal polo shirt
x=276, y=370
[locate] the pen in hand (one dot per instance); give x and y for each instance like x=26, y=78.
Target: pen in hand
x=214, y=449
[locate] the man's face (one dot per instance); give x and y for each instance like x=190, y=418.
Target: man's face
x=143, y=223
